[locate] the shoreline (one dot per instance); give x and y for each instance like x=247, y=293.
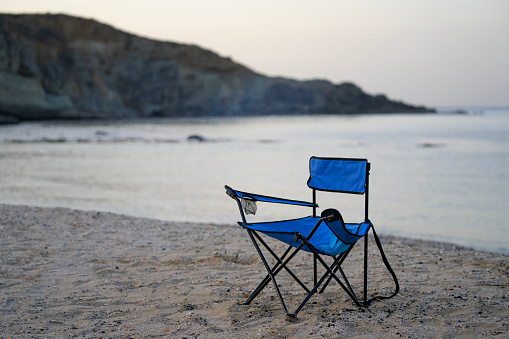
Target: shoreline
x=66, y=272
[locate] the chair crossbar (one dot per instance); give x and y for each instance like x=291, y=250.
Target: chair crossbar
x=342, y=258
x=276, y=269
x=264, y=283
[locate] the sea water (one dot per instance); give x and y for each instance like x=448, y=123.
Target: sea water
x=433, y=176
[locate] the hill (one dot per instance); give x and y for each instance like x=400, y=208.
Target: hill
x=55, y=66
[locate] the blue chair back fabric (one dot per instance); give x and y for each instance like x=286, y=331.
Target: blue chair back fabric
x=338, y=175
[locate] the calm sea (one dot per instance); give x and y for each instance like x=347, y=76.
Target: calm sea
x=435, y=176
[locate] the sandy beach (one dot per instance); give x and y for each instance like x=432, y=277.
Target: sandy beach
x=70, y=273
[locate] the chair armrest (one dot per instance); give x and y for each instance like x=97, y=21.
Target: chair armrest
x=266, y=198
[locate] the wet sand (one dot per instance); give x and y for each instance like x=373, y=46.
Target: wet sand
x=70, y=273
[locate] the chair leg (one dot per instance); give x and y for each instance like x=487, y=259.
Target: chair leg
x=366, y=268
x=272, y=273
x=267, y=278
x=268, y=270
x=337, y=266
x=310, y=294
x=315, y=273
x=328, y=272
x=334, y=276
x=315, y=288
x=258, y=289
x=367, y=302
x=328, y=275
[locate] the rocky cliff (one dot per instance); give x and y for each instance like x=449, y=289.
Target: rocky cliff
x=58, y=67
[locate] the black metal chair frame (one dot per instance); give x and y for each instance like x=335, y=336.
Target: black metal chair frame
x=330, y=270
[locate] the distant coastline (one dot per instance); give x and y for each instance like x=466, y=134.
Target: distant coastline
x=459, y=109
x=64, y=67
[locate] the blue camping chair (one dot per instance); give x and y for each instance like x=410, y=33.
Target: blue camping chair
x=324, y=235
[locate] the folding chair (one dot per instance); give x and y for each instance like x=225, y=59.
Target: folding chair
x=324, y=236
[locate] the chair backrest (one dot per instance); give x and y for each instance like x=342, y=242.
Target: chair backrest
x=338, y=175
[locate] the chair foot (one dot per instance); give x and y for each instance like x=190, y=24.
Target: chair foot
x=291, y=317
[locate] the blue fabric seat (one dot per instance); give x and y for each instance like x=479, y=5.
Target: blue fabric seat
x=324, y=240
x=325, y=235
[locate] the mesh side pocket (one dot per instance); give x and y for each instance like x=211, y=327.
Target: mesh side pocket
x=248, y=205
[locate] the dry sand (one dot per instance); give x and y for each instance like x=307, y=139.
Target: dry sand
x=68, y=273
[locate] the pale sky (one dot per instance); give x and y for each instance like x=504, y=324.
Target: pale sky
x=429, y=52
